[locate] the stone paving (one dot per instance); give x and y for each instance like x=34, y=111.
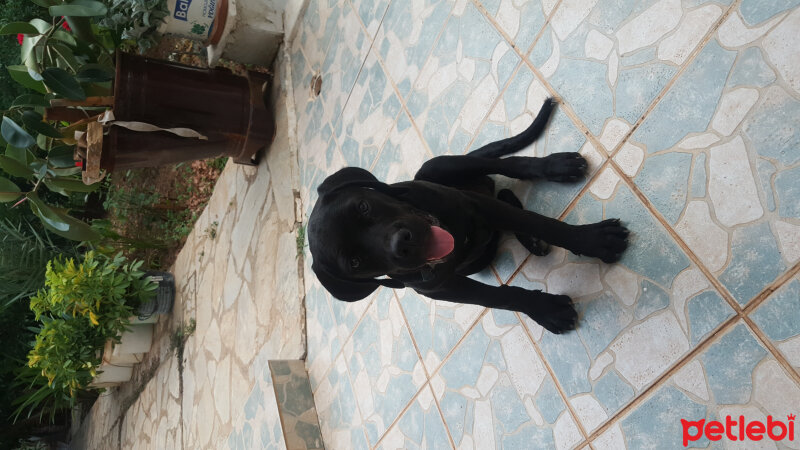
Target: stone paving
x=689, y=114
x=248, y=310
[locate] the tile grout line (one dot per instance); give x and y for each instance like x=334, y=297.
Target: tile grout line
x=721, y=289
x=759, y=300
x=360, y=69
x=383, y=69
x=556, y=381
x=419, y=391
x=443, y=362
x=479, y=6
x=350, y=334
x=664, y=377
x=400, y=97
x=671, y=83
x=350, y=376
x=778, y=283
x=407, y=407
x=771, y=348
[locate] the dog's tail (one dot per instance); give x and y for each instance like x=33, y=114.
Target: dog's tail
x=520, y=141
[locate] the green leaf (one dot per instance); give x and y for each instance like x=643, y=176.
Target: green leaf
x=66, y=172
x=65, y=56
x=60, y=223
x=8, y=190
x=31, y=100
x=34, y=121
x=82, y=29
x=18, y=154
x=14, y=168
x=20, y=75
x=62, y=83
x=39, y=168
x=46, y=3
x=65, y=37
x=30, y=54
x=79, y=8
x=41, y=141
x=61, y=156
x=95, y=73
x=17, y=28
x=15, y=135
x=50, y=218
x=43, y=26
x=71, y=184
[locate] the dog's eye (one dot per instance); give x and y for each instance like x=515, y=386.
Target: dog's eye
x=355, y=262
x=363, y=207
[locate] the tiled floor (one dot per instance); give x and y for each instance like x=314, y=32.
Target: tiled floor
x=689, y=113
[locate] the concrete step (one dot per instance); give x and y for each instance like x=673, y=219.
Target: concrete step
x=280, y=411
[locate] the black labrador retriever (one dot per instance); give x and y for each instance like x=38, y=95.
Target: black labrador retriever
x=430, y=233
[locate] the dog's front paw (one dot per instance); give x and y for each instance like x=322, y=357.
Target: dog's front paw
x=605, y=240
x=569, y=166
x=555, y=313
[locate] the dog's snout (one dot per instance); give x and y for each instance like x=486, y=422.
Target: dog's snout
x=400, y=242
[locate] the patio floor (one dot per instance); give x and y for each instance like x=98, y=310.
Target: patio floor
x=689, y=112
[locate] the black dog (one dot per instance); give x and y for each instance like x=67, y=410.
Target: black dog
x=430, y=233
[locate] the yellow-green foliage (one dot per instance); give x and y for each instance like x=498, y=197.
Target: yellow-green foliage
x=83, y=305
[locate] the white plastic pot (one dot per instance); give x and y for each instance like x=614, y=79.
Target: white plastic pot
x=251, y=32
x=195, y=19
x=111, y=375
x=132, y=347
x=137, y=340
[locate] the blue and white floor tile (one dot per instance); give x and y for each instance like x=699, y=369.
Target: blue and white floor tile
x=735, y=376
x=688, y=112
x=495, y=391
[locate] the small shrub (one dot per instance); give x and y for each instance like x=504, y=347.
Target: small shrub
x=81, y=307
x=103, y=290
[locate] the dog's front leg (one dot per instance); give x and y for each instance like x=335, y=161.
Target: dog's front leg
x=554, y=312
x=605, y=240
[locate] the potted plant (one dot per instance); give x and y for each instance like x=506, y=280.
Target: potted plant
x=37, y=165
x=82, y=307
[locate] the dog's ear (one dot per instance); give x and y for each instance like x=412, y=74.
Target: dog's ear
x=346, y=177
x=350, y=290
x=355, y=176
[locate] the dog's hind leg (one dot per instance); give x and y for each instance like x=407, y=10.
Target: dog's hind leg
x=464, y=170
x=534, y=245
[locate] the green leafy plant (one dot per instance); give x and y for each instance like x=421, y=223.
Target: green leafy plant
x=55, y=63
x=24, y=252
x=135, y=21
x=103, y=290
x=81, y=306
x=66, y=352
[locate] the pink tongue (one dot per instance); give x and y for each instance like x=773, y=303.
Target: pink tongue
x=441, y=244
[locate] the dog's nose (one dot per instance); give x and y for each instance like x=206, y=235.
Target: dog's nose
x=400, y=242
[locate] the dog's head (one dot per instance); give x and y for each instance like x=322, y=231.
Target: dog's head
x=360, y=229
